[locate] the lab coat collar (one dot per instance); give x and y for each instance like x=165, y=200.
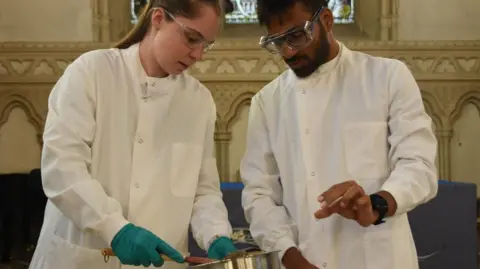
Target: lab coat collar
x=154, y=83
x=332, y=65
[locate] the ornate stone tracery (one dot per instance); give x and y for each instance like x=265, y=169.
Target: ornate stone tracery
x=448, y=74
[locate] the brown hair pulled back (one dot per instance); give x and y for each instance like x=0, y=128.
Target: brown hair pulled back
x=184, y=8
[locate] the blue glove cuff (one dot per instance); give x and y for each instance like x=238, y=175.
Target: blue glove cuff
x=218, y=240
x=221, y=247
x=125, y=229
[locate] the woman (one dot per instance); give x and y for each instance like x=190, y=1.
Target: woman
x=127, y=158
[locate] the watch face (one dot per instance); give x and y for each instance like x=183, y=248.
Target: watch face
x=378, y=202
x=380, y=205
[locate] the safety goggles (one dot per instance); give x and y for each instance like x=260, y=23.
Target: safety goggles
x=296, y=38
x=193, y=38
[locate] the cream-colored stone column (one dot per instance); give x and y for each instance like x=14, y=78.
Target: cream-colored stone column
x=222, y=141
x=444, y=138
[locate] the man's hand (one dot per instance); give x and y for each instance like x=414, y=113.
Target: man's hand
x=349, y=200
x=293, y=259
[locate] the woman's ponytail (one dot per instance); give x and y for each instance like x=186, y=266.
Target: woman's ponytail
x=186, y=8
x=140, y=29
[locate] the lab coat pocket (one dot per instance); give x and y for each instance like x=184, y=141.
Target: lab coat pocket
x=379, y=247
x=185, y=169
x=67, y=255
x=366, y=150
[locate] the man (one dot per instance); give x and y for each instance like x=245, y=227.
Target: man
x=339, y=149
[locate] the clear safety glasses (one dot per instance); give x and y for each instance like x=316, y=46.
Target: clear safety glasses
x=193, y=38
x=296, y=38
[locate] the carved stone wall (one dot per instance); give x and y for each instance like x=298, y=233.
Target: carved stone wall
x=447, y=72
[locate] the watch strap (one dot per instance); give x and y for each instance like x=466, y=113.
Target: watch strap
x=380, y=205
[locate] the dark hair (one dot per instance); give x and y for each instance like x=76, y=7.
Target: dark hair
x=184, y=8
x=267, y=9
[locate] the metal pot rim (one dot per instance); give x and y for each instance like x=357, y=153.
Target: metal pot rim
x=246, y=255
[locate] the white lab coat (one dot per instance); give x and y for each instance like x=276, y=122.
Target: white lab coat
x=357, y=118
x=120, y=146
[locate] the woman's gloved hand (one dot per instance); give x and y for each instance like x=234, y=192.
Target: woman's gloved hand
x=220, y=248
x=137, y=246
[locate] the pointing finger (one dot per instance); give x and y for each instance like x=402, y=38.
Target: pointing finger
x=166, y=249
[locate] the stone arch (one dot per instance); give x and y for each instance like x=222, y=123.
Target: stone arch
x=433, y=109
x=472, y=97
x=233, y=112
x=12, y=101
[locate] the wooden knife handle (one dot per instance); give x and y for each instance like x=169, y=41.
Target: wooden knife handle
x=108, y=252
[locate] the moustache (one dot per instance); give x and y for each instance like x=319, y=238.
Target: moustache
x=295, y=59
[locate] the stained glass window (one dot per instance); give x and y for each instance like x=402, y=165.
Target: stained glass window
x=342, y=11
x=244, y=11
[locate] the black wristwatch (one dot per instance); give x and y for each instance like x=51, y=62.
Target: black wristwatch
x=380, y=205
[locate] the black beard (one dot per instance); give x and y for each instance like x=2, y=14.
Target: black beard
x=322, y=50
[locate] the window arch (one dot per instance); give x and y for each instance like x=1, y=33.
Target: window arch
x=244, y=11
x=354, y=19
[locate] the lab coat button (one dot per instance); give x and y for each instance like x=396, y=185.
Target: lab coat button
x=140, y=141
x=307, y=131
x=313, y=174
x=153, y=84
x=324, y=265
x=137, y=185
x=303, y=91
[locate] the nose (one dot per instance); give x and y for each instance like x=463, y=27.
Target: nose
x=197, y=53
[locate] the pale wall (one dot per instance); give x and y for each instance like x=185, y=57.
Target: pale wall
x=59, y=20
x=45, y=20
x=439, y=20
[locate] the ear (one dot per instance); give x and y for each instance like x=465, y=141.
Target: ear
x=157, y=18
x=326, y=18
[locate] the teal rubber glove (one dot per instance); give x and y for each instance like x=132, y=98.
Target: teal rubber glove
x=220, y=248
x=137, y=246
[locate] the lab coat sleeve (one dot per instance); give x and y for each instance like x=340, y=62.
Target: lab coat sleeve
x=413, y=145
x=209, y=216
x=270, y=225
x=66, y=156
